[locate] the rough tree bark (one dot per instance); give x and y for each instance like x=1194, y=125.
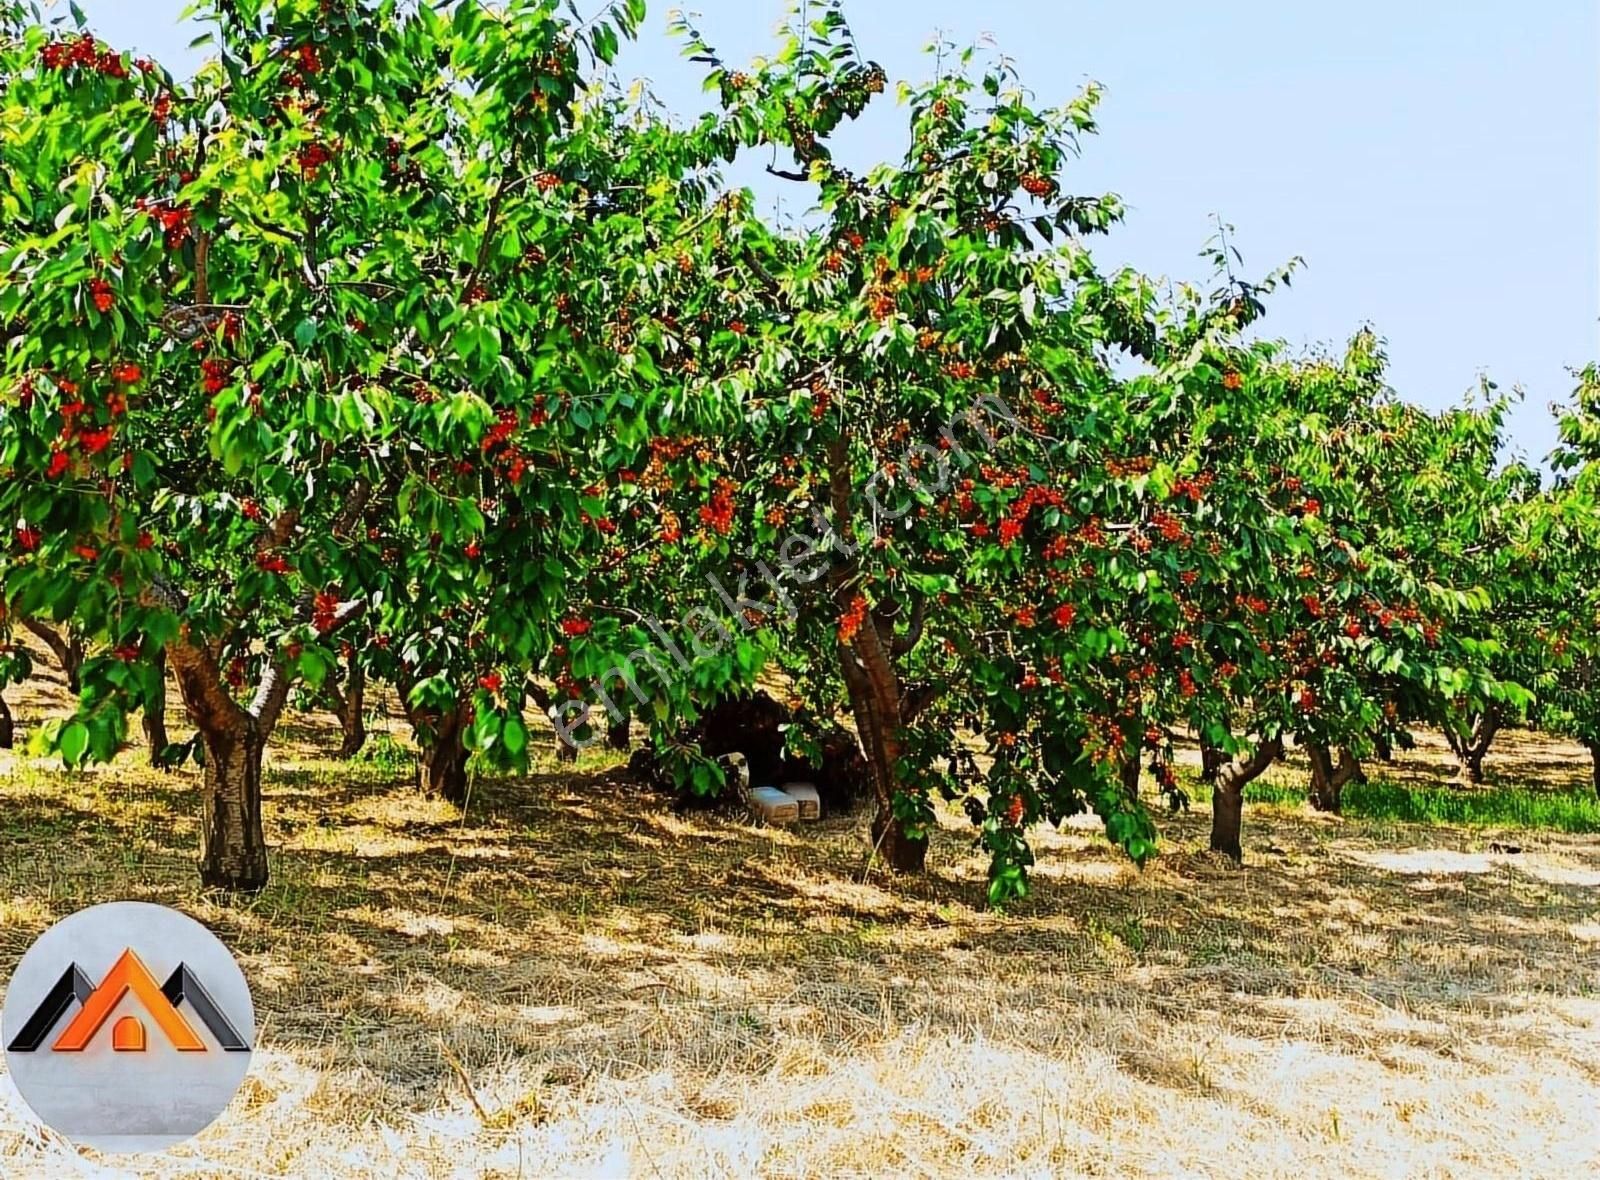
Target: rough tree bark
x=349, y=705
x=65, y=646
x=155, y=716
x=442, y=763
x=233, y=853
x=1227, y=795
x=1471, y=747
x=867, y=663
x=8, y=731
x=1328, y=780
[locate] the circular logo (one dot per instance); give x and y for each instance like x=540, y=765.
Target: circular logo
x=127, y=1027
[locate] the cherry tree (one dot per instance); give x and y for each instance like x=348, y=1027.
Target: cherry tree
x=259, y=328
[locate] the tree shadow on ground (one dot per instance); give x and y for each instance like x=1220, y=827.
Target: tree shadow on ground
x=576, y=922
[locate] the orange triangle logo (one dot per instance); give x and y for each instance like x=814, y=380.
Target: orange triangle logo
x=129, y=974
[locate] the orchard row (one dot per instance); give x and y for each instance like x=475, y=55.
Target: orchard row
x=401, y=345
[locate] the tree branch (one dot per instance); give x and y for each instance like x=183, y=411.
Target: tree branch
x=50, y=638
x=1239, y=773
x=491, y=223
x=919, y=618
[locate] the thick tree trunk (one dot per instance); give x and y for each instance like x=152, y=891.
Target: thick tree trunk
x=155, y=717
x=233, y=850
x=618, y=736
x=1328, y=780
x=234, y=846
x=1227, y=796
x=350, y=707
x=876, y=715
x=1227, y=816
x=1212, y=760
x=900, y=851
x=8, y=731
x=442, y=764
x=867, y=664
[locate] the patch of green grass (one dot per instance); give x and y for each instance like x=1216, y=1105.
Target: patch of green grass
x=1263, y=791
x=1275, y=794
x=1499, y=807
x=1504, y=807
x=1128, y=930
x=385, y=753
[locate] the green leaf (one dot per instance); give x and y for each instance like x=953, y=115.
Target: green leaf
x=74, y=743
x=515, y=736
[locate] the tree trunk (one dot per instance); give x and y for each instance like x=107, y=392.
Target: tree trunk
x=1471, y=747
x=442, y=764
x=1227, y=796
x=72, y=664
x=155, y=716
x=565, y=750
x=1212, y=760
x=876, y=720
x=867, y=664
x=1129, y=773
x=1227, y=815
x=65, y=646
x=234, y=846
x=618, y=736
x=1594, y=759
x=233, y=849
x=8, y=730
x=900, y=851
x=350, y=707
x=1328, y=780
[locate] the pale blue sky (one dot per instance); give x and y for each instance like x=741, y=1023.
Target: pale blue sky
x=1436, y=162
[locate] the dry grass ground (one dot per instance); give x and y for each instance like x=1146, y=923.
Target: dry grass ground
x=574, y=981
